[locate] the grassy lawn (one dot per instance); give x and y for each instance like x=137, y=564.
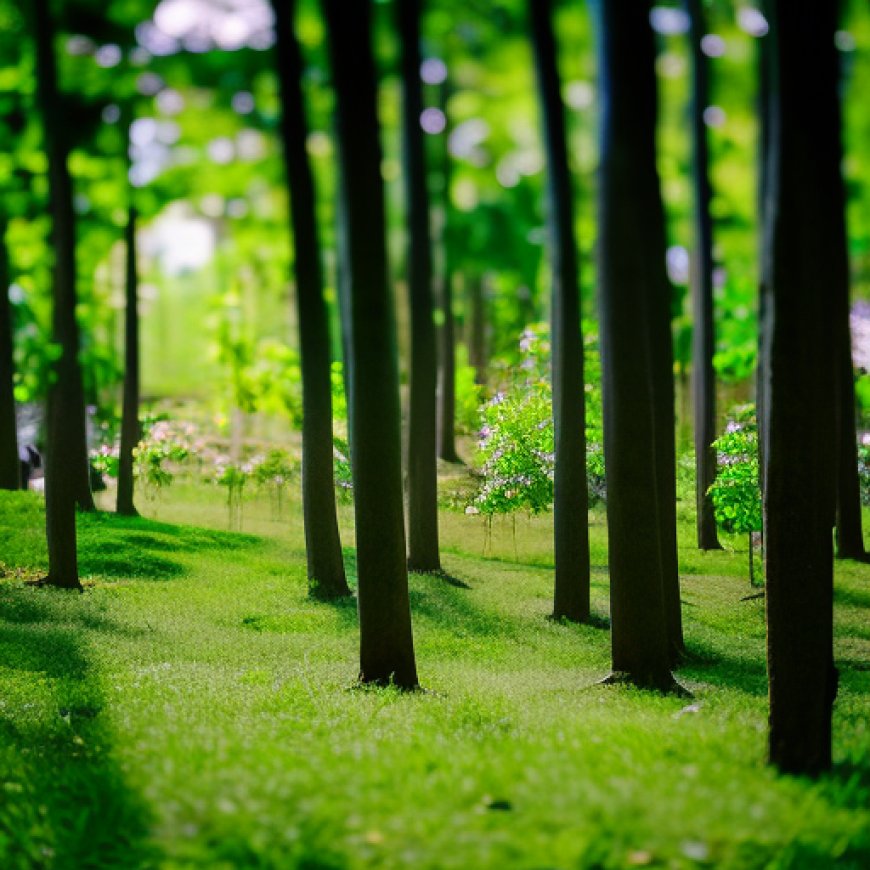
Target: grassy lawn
x=194, y=709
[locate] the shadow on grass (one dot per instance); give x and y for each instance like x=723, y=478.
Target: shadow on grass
x=115, y=546
x=719, y=667
x=69, y=806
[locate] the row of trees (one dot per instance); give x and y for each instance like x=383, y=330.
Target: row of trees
x=801, y=180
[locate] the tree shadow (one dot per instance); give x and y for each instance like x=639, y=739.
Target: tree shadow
x=724, y=668
x=69, y=805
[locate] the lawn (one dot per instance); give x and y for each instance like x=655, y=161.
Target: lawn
x=195, y=709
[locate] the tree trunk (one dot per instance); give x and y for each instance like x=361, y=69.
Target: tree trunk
x=10, y=466
x=803, y=201
x=627, y=281
x=703, y=338
x=130, y=428
x=326, y=575
x=447, y=371
x=386, y=641
x=850, y=536
x=447, y=334
x=66, y=454
x=423, y=552
x=570, y=495
x=476, y=328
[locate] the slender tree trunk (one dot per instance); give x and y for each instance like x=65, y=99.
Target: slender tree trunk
x=850, y=537
x=326, y=575
x=800, y=381
x=447, y=333
x=447, y=371
x=476, y=327
x=65, y=436
x=386, y=640
x=423, y=552
x=703, y=338
x=628, y=280
x=570, y=501
x=10, y=466
x=130, y=428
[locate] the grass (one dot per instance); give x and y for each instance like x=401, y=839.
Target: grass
x=195, y=709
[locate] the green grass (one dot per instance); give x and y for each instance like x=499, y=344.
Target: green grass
x=195, y=709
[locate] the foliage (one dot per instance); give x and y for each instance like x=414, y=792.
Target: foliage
x=515, y=443
x=516, y=438
x=735, y=492
x=274, y=471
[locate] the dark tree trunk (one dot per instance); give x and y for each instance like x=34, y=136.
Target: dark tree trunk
x=66, y=454
x=475, y=327
x=703, y=338
x=326, y=576
x=570, y=499
x=447, y=332
x=800, y=381
x=10, y=467
x=629, y=279
x=447, y=371
x=422, y=448
x=764, y=301
x=130, y=429
x=850, y=537
x=386, y=641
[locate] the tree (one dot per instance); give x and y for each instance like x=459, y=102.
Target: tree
x=386, y=641
x=447, y=332
x=65, y=435
x=423, y=552
x=570, y=501
x=799, y=381
x=629, y=280
x=10, y=469
x=131, y=431
x=326, y=576
x=703, y=338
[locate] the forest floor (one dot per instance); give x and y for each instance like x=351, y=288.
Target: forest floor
x=195, y=709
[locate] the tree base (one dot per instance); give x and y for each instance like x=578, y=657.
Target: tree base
x=50, y=582
x=662, y=683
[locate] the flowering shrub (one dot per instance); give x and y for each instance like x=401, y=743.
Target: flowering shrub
x=864, y=467
x=165, y=445
x=736, y=492
x=342, y=469
x=273, y=471
x=516, y=437
x=234, y=476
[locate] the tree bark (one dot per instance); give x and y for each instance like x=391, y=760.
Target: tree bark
x=326, y=574
x=800, y=382
x=386, y=641
x=66, y=461
x=423, y=554
x=628, y=280
x=10, y=466
x=570, y=495
x=703, y=337
x=130, y=428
